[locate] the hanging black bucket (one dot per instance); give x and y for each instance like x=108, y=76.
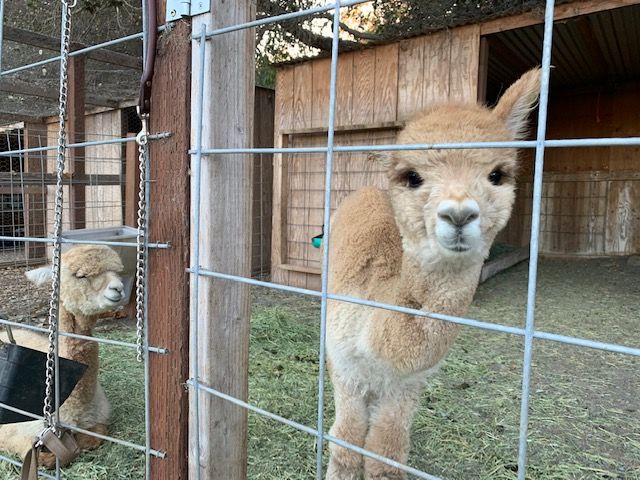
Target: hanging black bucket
x=22, y=380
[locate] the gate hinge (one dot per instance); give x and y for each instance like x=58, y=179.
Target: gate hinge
x=177, y=9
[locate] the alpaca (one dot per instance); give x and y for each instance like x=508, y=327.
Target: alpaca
x=89, y=285
x=419, y=245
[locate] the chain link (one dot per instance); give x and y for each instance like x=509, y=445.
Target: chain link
x=54, y=301
x=141, y=275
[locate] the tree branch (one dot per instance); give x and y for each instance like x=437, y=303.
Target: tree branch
x=270, y=8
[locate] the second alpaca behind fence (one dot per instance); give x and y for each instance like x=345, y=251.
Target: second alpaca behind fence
x=89, y=285
x=419, y=245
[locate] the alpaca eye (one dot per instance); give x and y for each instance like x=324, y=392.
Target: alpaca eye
x=80, y=275
x=412, y=179
x=496, y=176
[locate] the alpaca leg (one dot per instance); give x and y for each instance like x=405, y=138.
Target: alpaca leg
x=388, y=436
x=351, y=426
x=18, y=438
x=88, y=442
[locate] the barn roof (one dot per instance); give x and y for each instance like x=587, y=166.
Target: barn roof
x=31, y=34
x=467, y=13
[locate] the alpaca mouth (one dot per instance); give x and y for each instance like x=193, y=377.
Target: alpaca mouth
x=459, y=248
x=113, y=299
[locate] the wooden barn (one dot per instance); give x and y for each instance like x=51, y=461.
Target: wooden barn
x=591, y=196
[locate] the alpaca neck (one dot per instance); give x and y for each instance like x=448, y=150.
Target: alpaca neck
x=446, y=286
x=83, y=351
x=420, y=343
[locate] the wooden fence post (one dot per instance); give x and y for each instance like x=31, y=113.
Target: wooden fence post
x=225, y=238
x=35, y=204
x=75, y=132
x=169, y=221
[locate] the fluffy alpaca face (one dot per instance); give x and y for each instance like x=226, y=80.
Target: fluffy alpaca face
x=451, y=204
x=91, y=294
x=90, y=283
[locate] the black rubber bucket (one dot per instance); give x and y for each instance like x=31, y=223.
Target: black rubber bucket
x=22, y=380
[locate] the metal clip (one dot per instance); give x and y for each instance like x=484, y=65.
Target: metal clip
x=143, y=137
x=40, y=439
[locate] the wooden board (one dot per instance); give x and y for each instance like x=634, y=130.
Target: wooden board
x=283, y=120
x=169, y=222
x=623, y=217
x=225, y=238
x=104, y=202
x=410, y=75
x=561, y=12
x=35, y=205
x=385, y=102
x=262, y=182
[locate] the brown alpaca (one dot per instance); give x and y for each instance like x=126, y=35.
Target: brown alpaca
x=90, y=285
x=419, y=245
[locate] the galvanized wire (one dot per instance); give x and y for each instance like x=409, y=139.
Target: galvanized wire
x=535, y=236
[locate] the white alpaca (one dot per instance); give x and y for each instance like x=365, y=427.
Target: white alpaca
x=420, y=245
x=90, y=285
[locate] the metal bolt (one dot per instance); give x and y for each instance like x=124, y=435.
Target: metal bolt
x=173, y=13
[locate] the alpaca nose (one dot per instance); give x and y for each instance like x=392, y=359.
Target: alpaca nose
x=458, y=214
x=117, y=286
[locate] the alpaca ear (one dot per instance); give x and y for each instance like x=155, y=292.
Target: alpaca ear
x=520, y=98
x=40, y=276
x=384, y=158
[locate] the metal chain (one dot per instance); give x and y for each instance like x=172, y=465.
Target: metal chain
x=141, y=274
x=57, y=222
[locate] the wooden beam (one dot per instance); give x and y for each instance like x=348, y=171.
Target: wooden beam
x=131, y=184
x=75, y=132
x=12, y=117
x=36, y=178
x=35, y=205
x=169, y=222
x=561, y=12
x=39, y=40
x=396, y=125
x=225, y=239
x=483, y=70
x=18, y=87
x=503, y=262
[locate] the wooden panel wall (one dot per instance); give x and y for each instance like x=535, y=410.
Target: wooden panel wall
x=103, y=203
x=591, y=196
x=377, y=89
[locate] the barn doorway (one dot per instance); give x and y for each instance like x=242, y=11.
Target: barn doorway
x=591, y=196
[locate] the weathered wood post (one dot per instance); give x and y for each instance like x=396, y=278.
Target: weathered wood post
x=35, y=204
x=225, y=239
x=75, y=133
x=168, y=282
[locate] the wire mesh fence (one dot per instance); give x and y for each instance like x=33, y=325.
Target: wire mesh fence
x=298, y=156
x=319, y=181
x=100, y=164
